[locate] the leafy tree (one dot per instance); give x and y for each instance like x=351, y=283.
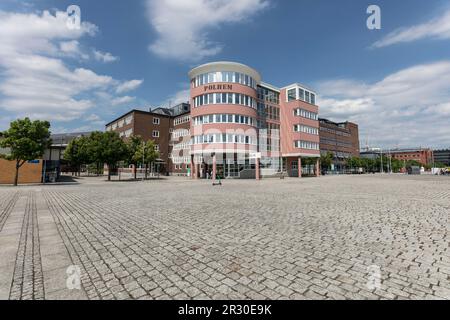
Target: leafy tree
x=148, y=154
x=326, y=160
x=26, y=140
x=107, y=147
x=134, y=144
x=77, y=153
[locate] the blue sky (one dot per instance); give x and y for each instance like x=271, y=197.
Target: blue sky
x=394, y=82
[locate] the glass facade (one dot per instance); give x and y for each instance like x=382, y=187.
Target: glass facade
x=224, y=118
x=302, y=94
x=308, y=145
x=224, y=98
x=224, y=138
x=306, y=129
x=306, y=114
x=224, y=76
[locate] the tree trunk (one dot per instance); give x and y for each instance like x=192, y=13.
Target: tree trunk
x=135, y=172
x=146, y=171
x=109, y=172
x=16, y=179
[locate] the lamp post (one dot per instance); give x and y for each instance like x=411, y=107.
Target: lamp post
x=143, y=159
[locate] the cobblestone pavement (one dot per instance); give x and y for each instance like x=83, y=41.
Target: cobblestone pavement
x=361, y=237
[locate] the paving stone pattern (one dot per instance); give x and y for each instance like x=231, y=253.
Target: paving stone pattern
x=361, y=237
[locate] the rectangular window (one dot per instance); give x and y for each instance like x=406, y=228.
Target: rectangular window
x=301, y=94
x=307, y=99
x=155, y=134
x=313, y=98
x=237, y=78
x=156, y=121
x=292, y=95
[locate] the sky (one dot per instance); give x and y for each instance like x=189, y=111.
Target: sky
x=393, y=82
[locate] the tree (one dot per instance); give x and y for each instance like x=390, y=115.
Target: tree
x=326, y=160
x=107, y=147
x=148, y=154
x=134, y=144
x=26, y=141
x=77, y=153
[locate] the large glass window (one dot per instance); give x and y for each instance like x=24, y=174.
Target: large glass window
x=292, y=95
x=225, y=76
x=224, y=98
x=224, y=118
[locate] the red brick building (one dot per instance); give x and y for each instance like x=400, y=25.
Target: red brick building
x=422, y=155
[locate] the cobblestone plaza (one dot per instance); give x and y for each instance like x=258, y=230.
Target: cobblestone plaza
x=346, y=237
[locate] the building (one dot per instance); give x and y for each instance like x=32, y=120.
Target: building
x=29, y=173
x=235, y=125
x=341, y=139
x=150, y=125
x=442, y=156
x=54, y=162
x=421, y=155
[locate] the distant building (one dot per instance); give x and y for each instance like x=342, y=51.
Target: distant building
x=165, y=126
x=442, y=156
x=341, y=139
x=54, y=156
x=421, y=155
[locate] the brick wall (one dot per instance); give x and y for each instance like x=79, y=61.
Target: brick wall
x=28, y=173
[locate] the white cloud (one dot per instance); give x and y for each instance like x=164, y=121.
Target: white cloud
x=128, y=86
x=182, y=26
x=35, y=81
x=179, y=97
x=122, y=100
x=407, y=108
x=93, y=117
x=438, y=28
x=105, y=57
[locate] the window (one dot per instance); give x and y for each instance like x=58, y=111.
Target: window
x=155, y=134
x=156, y=121
x=301, y=94
x=225, y=76
x=157, y=147
x=306, y=129
x=128, y=133
x=307, y=145
x=292, y=95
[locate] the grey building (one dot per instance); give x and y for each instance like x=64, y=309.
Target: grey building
x=442, y=156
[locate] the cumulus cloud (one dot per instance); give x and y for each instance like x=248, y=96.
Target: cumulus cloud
x=122, y=100
x=181, y=96
x=407, y=108
x=182, y=26
x=128, y=86
x=35, y=81
x=105, y=57
x=438, y=28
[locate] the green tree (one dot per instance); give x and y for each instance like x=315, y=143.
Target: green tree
x=134, y=144
x=77, y=153
x=326, y=160
x=107, y=147
x=148, y=154
x=26, y=141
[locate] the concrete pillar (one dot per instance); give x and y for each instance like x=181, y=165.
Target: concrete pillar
x=214, y=168
x=318, y=168
x=193, y=168
x=258, y=175
x=299, y=167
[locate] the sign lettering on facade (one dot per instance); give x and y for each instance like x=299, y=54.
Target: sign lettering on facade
x=218, y=87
